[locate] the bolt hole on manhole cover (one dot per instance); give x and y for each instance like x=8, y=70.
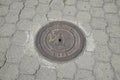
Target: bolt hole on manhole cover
x=60, y=41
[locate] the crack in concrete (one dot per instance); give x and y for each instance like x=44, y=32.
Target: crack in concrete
x=20, y=12
x=5, y=56
x=50, y=2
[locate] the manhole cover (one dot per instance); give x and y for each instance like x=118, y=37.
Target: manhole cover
x=60, y=40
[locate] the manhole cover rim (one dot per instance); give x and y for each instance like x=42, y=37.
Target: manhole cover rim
x=41, y=52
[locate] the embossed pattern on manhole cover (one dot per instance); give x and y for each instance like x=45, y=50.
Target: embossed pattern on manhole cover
x=60, y=41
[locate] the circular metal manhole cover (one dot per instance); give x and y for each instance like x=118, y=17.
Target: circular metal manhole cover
x=60, y=40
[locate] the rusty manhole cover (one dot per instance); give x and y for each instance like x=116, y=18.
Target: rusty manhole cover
x=60, y=40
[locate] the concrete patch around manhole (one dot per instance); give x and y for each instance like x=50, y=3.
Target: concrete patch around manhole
x=60, y=41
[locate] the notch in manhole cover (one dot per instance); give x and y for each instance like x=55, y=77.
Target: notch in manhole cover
x=60, y=41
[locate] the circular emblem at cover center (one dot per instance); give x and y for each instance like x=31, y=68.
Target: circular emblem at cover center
x=60, y=41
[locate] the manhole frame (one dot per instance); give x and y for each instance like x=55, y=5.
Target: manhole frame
x=73, y=56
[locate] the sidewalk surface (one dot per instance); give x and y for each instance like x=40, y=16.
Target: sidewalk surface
x=20, y=21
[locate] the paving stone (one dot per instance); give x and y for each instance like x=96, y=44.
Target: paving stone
x=45, y=1
x=4, y=44
x=69, y=10
x=9, y=72
x=112, y=19
x=63, y=79
x=98, y=23
x=86, y=0
x=87, y=28
x=26, y=77
x=83, y=6
x=110, y=8
x=114, y=30
x=97, y=12
x=2, y=21
x=20, y=38
x=3, y=10
x=70, y=19
x=24, y=25
x=27, y=13
x=96, y=3
x=15, y=53
x=31, y=3
x=102, y=53
x=54, y=15
x=117, y=76
x=90, y=44
x=70, y=2
x=42, y=9
x=7, y=30
x=83, y=17
x=16, y=6
x=103, y=71
x=2, y=59
x=87, y=59
x=114, y=44
x=46, y=73
x=119, y=13
x=57, y=5
x=29, y=64
x=118, y=3
x=109, y=1
x=115, y=60
x=6, y=2
x=100, y=37
x=12, y=16
x=39, y=20
x=84, y=75
x=66, y=70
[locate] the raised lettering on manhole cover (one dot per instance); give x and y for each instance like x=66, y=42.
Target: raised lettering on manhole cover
x=60, y=40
